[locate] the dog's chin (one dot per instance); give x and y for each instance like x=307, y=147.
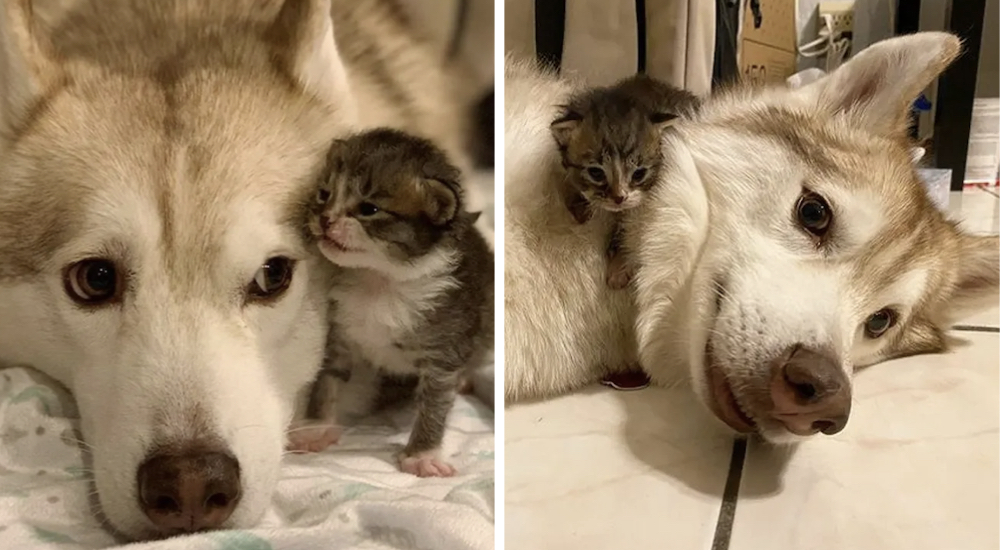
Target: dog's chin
x=725, y=405
x=722, y=400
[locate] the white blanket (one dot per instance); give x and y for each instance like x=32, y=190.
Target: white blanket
x=349, y=497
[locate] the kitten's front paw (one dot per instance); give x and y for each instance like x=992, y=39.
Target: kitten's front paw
x=312, y=437
x=425, y=464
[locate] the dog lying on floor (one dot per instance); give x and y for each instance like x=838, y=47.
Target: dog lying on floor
x=787, y=243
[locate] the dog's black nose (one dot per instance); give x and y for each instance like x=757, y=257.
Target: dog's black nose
x=811, y=392
x=189, y=492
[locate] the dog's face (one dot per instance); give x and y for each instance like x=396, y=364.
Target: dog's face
x=151, y=224
x=824, y=252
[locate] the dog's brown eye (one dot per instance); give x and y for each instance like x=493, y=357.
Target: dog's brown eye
x=322, y=196
x=272, y=279
x=639, y=175
x=814, y=214
x=595, y=174
x=93, y=282
x=367, y=209
x=880, y=321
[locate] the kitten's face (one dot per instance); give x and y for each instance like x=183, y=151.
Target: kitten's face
x=613, y=162
x=379, y=205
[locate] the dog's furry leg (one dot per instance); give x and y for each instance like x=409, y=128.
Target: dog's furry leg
x=435, y=398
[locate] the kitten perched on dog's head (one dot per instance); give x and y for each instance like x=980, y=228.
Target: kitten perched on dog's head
x=389, y=201
x=609, y=140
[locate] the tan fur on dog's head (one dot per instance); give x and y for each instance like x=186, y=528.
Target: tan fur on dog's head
x=175, y=142
x=769, y=283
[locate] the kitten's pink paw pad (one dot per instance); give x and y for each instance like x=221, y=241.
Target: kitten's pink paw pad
x=312, y=439
x=426, y=466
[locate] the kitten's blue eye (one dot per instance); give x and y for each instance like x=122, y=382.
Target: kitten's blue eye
x=367, y=209
x=595, y=174
x=322, y=196
x=639, y=175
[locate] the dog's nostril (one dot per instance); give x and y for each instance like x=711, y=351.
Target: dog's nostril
x=804, y=391
x=218, y=500
x=166, y=504
x=823, y=426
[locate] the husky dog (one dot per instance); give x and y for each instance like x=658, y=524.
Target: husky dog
x=154, y=160
x=793, y=244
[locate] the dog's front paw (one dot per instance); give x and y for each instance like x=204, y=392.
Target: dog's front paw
x=425, y=464
x=312, y=437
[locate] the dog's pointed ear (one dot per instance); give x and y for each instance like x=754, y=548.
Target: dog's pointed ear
x=562, y=128
x=302, y=38
x=28, y=64
x=662, y=120
x=977, y=286
x=877, y=87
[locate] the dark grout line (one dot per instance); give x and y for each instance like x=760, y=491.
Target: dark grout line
x=727, y=512
x=975, y=328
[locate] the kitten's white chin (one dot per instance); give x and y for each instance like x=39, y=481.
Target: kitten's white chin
x=337, y=253
x=612, y=207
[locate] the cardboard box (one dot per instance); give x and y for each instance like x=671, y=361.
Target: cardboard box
x=760, y=64
x=777, y=28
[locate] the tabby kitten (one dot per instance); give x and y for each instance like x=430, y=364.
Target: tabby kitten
x=609, y=141
x=415, y=295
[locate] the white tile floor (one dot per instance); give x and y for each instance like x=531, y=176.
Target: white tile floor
x=917, y=469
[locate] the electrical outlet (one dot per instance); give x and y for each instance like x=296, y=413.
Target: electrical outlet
x=841, y=13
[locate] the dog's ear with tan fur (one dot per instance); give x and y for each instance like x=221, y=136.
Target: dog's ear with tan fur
x=28, y=65
x=302, y=38
x=876, y=87
x=977, y=286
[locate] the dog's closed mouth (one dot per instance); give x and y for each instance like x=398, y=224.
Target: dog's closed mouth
x=723, y=401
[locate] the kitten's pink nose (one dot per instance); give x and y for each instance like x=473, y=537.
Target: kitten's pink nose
x=337, y=230
x=324, y=223
x=619, y=199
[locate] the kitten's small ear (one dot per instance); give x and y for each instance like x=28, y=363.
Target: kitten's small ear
x=472, y=217
x=562, y=128
x=662, y=120
x=440, y=200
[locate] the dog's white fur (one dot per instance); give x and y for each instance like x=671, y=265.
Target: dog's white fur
x=187, y=172
x=723, y=214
